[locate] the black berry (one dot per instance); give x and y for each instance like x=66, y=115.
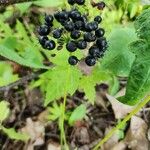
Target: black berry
x=94, y=51
x=69, y=26
x=73, y=60
x=75, y=34
x=75, y=15
x=57, y=33
x=43, y=30
x=98, y=19
x=64, y=15
x=79, y=25
x=42, y=40
x=71, y=2
x=80, y=2
x=100, y=32
x=81, y=44
x=91, y=26
x=49, y=19
x=101, y=43
x=71, y=46
x=50, y=45
x=90, y=60
x=89, y=37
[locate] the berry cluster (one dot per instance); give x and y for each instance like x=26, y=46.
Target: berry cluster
x=83, y=34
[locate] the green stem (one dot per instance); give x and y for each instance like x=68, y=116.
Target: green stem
x=123, y=122
x=62, y=119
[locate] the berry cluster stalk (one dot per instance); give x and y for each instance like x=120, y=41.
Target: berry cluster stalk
x=122, y=123
x=62, y=118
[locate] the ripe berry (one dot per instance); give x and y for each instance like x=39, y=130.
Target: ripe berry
x=82, y=44
x=42, y=40
x=75, y=15
x=57, y=16
x=79, y=25
x=101, y=5
x=71, y=2
x=50, y=45
x=98, y=19
x=75, y=34
x=43, y=30
x=80, y=2
x=91, y=26
x=71, y=46
x=69, y=26
x=94, y=51
x=89, y=37
x=57, y=33
x=90, y=61
x=49, y=19
x=101, y=43
x=64, y=15
x=100, y=32
x=73, y=60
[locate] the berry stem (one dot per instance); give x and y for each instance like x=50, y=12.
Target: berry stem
x=123, y=122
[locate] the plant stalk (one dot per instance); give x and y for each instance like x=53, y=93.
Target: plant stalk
x=123, y=122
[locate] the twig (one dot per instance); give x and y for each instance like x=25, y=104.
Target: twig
x=10, y=2
x=21, y=81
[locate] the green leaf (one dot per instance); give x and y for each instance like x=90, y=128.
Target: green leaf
x=78, y=114
x=48, y=3
x=4, y=110
x=23, y=7
x=55, y=111
x=6, y=74
x=62, y=80
x=142, y=25
x=88, y=83
x=139, y=80
x=118, y=58
x=15, y=135
x=13, y=56
x=138, y=84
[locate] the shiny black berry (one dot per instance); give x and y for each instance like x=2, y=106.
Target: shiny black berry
x=50, y=45
x=100, y=32
x=64, y=15
x=79, y=25
x=98, y=19
x=69, y=26
x=73, y=60
x=75, y=15
x=94, y=51
x=90, y=60
x=101, y=43
x=71, y=46
x=57, y=33
x=57, y=16
x=91, y=26
x=81, y=44
x=49, y=19
x=75, y=34
x=71, y=2
x=80, y=2
x=89, y=37
x=42, y=40
x=43, y=30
